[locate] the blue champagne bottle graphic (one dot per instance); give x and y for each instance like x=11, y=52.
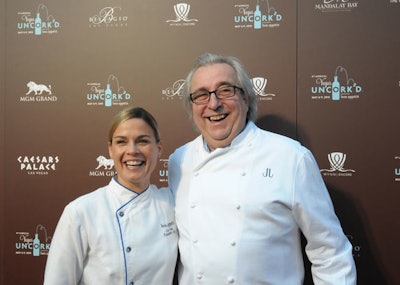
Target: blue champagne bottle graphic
x=38, y=25
x=36, y=246
x=108, y=96
x=335, y=88
x=257, y=18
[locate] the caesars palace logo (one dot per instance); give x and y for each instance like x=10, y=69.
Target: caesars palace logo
x=38, y=164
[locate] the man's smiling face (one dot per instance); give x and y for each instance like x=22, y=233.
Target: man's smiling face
x=219, y=121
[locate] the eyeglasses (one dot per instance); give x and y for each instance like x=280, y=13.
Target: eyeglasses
x=203, y=96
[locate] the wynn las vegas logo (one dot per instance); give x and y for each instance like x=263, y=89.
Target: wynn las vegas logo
x=181, y=12
x=337, y=160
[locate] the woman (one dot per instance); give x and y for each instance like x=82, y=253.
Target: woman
x=123, y=233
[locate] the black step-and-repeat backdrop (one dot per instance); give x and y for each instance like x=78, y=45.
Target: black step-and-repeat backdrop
x=326, y=72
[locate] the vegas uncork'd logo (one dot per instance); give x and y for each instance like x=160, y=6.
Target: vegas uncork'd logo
x=258, y=16
x=113, y=94
x=37, y=23
x=108, y=17
x=36, y=244
x=340, y=87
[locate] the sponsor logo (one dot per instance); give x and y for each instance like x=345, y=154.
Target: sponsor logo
x=336, y=5
x=163, y=172
x=342, y=87
x=104, y=167
x=38, y=92
x=182, y=16
x=39, y=23
x=397, y=170
x=36, y=245
x=263, y=16
x=38, y=164
x=259, y=85
x=112, y=95
x=174, y=91
x=336, y=161
x=108, y=17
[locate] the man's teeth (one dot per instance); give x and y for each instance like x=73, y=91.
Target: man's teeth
x=133, y=163
x=217, y=118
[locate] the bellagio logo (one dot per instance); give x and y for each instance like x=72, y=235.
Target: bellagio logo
x=337, y=160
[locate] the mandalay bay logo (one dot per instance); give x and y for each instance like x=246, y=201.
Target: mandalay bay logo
x=38, y=23
x=264, y=16
x=336, y=5
x=182, y=16
x=112, y=95
x=336, y=161
x=342, y=86
x=259, y=85
x=108, y=17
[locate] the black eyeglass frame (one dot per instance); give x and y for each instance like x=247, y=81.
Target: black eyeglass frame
x=216, y=95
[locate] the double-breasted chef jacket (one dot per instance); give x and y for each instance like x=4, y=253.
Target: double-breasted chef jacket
x=239, y=210
x=115, y=236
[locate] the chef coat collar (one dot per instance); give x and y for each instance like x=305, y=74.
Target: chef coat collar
x=123, y=192
x=249, y=128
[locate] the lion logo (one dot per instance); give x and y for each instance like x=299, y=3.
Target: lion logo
x=38, y=89
x=104, y=162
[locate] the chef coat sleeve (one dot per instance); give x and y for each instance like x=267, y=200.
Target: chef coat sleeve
x=67, y=251
x=328, y=249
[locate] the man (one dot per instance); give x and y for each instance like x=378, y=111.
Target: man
x=244, y=194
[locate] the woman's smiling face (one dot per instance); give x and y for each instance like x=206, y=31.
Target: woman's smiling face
x=135, y=152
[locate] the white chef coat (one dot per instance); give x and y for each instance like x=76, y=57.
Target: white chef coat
x=115, y=236
x=239, y=210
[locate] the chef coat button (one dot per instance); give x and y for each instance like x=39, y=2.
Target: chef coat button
x=196, y=174
x=233, y=243
x=195, y=241
x=193, y=206
x=237, y=207
x=132, y=283
x=243, y=173
x=121, y=214
x=231, y=279
x=199, y=276
x=128, y=249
